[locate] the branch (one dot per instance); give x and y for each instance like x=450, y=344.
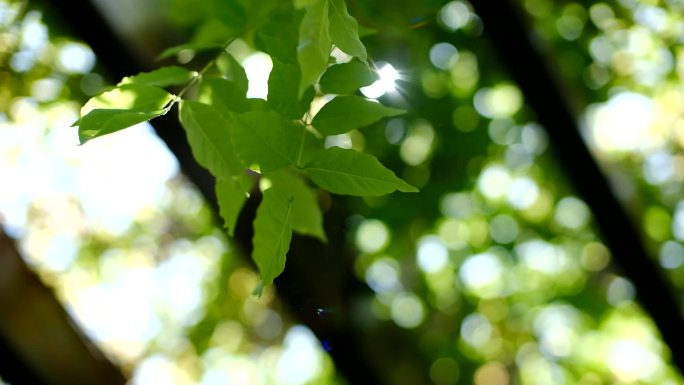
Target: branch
x=526, y=65
x=39, y=342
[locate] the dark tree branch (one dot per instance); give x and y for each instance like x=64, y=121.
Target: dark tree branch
x=39, y=342
x=503, y=24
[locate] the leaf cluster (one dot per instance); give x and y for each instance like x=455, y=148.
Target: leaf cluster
x=280, y=140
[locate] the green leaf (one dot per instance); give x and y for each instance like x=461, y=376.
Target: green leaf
x=233, y=71
x=346, y=78
x=224, y=95
x=196, y=47
x=99, y=122
x=162, y=77
x=266, y=139
x=315, y=44
x=349, y=172
x=279, y=38
x=277, y=46
x=344, y=30
x=272, y=233
x=304, y=3
x=221, y=26
x=309, y=147
x=306, y=214
x=231, y=195
x=283, y=89
x=209, y=135
x=366, y=31
x=134, y=97
x=122, y=107
x=346, y=113
x=260, y=10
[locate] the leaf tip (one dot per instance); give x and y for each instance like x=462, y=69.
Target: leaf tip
x=396, y=111
x=259, y=290
x=407, y=188
x=82, y=139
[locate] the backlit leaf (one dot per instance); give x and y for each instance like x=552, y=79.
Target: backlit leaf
x=195, y=47
x=233, y=71
x=283, y=89
x=315, y=44
x=272, y=233
x=260, y=10
x=228, y=20
x=343, y=171
x=306, y=214
x=209, y=137
x=279, y=37
x=344, y=30
x=99, y=122
x=119, y=108
x=346, y=113
x=346, y=78
x=134, y=97
x=162, y=77
x=268, y=140
x=305, y=3
x=231, y=195
x=224, y=95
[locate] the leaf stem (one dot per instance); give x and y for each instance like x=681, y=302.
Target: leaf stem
x=209, y=64
x=206, y=67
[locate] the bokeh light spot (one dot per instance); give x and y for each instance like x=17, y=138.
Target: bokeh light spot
x=383, y=276
x=491, y=374
x=301, y=359
x=494, y=182
x=372, y=236
x=407, y=310
x=476, y=330
x=523, y=192
x=395, y=130
x=671, y=255
x=75, y=58
x=541, y=256
x=556, y=327
x=444, y=371
x=457, y=205
x=622, y=123
x=595, y=256
x=432, y=254
x=503, y=228
x=443, y=55
x=455, y=15
x=620, y=291
x=501, y=101
x=571, y=213
x=630, y=361
x=482, y=274
x=417, y=146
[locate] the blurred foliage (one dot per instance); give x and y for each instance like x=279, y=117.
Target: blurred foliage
x=495, y=267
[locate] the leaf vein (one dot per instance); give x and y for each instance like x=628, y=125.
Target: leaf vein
x=211, y=144
x=348, y=174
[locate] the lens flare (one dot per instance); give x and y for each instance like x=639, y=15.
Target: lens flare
x=388, y=75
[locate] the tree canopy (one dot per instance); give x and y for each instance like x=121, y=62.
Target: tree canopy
x=351, y=191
